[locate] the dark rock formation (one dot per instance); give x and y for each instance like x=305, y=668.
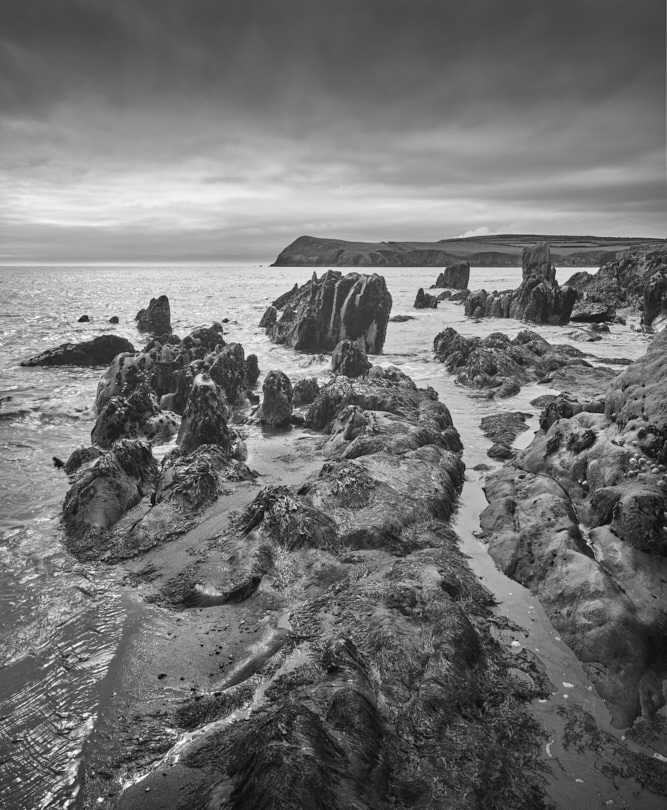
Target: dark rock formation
x=205, y=417
x=228, y=369
x=500, y=363
x=456, y=275
x=135, y=417
x=635, y=278
x=106, y=487
x=114, y=319
x=586, y=311
x=269, y=318
x=156, y=318
x=348, y=359
x=96, y=352
x=325, y=311
x=425, y=300
x=305, y=391
x=276, y=408
x=538, y=298
x=580, y=518
x=83, y=319
x=252, y=371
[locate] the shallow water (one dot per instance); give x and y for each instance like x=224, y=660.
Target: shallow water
x=61, y=622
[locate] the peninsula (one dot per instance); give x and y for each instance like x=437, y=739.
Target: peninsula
x=480, y=251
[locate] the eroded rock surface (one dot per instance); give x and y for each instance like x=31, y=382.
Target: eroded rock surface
x=348, y=359
x=277, y=402
x=324, y=311
x=425, y=300
x=580, y=517
x=456, y=275
x=156, y=318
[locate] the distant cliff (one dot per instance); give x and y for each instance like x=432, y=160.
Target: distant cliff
x=479, y=251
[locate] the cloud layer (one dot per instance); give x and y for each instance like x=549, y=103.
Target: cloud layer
x=222, y=129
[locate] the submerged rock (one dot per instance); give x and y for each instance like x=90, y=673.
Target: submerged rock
x=316, y=316
x=96, y=352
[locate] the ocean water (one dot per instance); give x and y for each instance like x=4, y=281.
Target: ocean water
x=61, y=622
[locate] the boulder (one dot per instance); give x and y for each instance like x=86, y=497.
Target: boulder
x=348, y=359
x=252, y=371
x=316, y=316
x=205, y=417
x=589, y=312
x=455, y=275
x=96, y=352
x=107, y=486
x=424, y=300
x=83, y=319
x=156, y=318
x=114, y=319
x=276, y=408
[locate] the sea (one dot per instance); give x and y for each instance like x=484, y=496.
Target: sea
x=61, y=622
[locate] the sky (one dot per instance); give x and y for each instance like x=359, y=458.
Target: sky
x=221, y=130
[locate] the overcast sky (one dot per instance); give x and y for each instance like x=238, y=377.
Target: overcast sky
x=221, y=130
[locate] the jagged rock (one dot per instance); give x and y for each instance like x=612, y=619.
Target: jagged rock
x=424, y=300
x=538, y=298
x=325, y=311
x=276, y=408
x=205, y=417
x=135, y=417
x=156, y=318
x=455, y=275
x=229, y=372
x=106, y=487
x=500, y=363
x=305, y=391
x=349, y=359
x=269, y=317
x=83, y=319
x=81, y=456
x=96, y=352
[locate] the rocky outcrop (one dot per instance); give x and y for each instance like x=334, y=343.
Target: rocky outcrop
x=96, y=352
x=169, y=365
x=634, y=279
x=348, y=359
x=156, y=318
x=106, y=487
x=425, y=300
x=316, y=316
x=539, y=298
x=580, y=519
x=135, y=417
x=503, y=364
x=276, y=408
x=455, y=275
x=305, y=391
x=586, y=311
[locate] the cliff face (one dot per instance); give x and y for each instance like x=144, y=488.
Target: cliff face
x=484, y=251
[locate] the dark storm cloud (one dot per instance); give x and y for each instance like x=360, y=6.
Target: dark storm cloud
x=234, y=115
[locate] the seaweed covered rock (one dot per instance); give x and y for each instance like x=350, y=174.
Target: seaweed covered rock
x=539, y=298
x=348, y=359
x=107, y=486
x=205, y=417
x=316, y=316
x=305, y=391
x=156, y=318
x=455, y=275
x=96, y=352
x=276, y=408
x=135, y=417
